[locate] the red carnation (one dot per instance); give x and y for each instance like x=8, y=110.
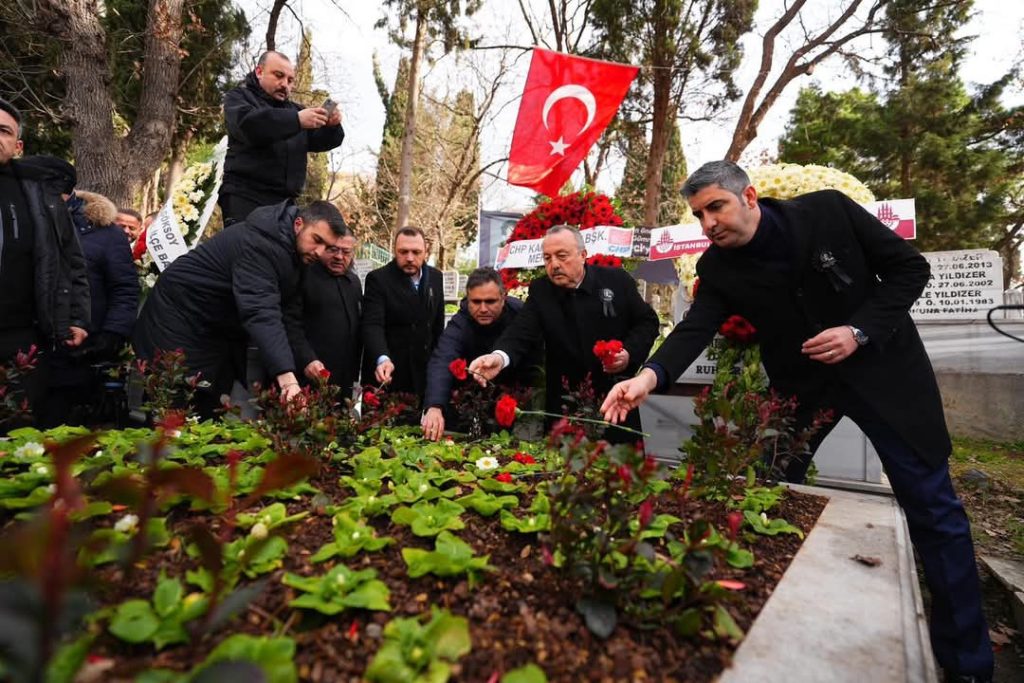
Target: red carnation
x=738, y=329
x=505, y=410
x=370, y=399
x=458, y=368
x=504, y=478
x=607, y=350
x=734, y=519
x=325, y=374
x=524, y=458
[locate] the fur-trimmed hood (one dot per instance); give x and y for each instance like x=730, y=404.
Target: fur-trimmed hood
x=98, y=210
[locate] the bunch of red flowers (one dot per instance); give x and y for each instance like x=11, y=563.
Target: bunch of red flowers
x=738, y=329
x=607, y=350
x=605, y=260
x=583, y=209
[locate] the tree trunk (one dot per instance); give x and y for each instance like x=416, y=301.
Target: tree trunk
x=664, y=117
x=409, y=134
x=275, y=16
x=176, y=166
x=114, y=166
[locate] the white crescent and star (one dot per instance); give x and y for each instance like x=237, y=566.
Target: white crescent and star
x=569, y=91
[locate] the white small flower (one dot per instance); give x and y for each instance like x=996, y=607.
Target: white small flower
x=98, y=454
x=355, y=535
x=423, y=487
x=258, y=531
x=764, y=518
x=532, y=521
x=41, y=469
x=127, y=524
x=29, y=450
x=487, y=463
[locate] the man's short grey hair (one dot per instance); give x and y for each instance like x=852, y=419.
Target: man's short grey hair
x=726, y=174
x=262, y=61
x=555, y=229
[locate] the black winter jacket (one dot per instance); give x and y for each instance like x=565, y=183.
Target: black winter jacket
x=61, y=285
x=330, y=314
x=465, y=338
x=240, y=286
x=267, y=148
x=113, y=281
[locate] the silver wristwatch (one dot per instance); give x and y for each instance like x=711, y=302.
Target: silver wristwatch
x=858, y=335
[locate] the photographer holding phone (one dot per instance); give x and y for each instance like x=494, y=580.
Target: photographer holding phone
x=269, y=137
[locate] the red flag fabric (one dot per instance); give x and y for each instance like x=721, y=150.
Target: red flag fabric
x=567, y=103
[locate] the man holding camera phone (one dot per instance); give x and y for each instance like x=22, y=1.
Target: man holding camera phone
x=269, y=137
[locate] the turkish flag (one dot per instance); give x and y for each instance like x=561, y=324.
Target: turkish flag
x=567, y=103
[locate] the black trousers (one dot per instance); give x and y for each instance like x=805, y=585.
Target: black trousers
x=235, y=208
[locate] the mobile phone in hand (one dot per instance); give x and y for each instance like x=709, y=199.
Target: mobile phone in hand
x=329, y=106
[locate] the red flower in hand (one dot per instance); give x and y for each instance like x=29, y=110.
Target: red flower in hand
x=505, y=410
x=607, y=350
x=458, y=368
x=738, y=329
x=370, y=399
x=325, y=373
x=504, y=478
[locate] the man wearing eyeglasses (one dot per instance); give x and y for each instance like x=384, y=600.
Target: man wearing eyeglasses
x=331, y=301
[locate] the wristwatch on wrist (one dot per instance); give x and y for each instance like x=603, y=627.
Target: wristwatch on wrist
x=858, y=335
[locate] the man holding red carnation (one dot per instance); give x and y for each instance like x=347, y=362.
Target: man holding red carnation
x=483, y=315
x=569, y=311
x=829, y=289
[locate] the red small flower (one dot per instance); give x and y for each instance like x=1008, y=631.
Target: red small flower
x=645, y=513
x=505, y=411
x=325, y=373
x=734, y=519
x=738, y=329
x=458, y=368
x=607, y=350
x=353, y=632
x=625, y=475
x=171, y=421
x=504, y=478
x=524, y=458
x=370, y=399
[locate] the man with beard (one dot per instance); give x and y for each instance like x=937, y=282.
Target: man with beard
x=269, y=137
x=403, y=315
x=331, y=302
x=239, y=287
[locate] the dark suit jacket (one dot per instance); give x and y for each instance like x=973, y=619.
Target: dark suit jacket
x=401, y=323
x=569, y=321
x=330, y=318
x=892, y=373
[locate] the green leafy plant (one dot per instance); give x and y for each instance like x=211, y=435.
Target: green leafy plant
x=339, y=589
x=310, y=421
x=430, y=519
x=539, y=518
x=350, y=537
x=168, y=386
x=420, y=653
x=451, y=557
x=161, y=622
x=760, y=524
x=487, y=504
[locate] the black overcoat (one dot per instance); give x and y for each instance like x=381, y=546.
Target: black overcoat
x=241, y=286
x=330, y=318
x=402, y=323
x=832, y=236
x=606, y=305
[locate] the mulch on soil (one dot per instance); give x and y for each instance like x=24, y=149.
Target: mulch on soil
x=524, y=612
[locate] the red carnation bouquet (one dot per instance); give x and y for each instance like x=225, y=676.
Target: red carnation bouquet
x=607, y=350
x=583, y=209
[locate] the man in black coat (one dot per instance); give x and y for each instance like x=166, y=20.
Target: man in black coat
x=44, y=291
x=829, y=289
x=239, y=287
x=570, y=310
x=403, y=315
x=269, y=137
x=331, y=302
x=484, y=314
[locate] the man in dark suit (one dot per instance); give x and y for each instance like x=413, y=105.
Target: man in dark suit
x=571, y=309
x=484, y=314
x=828, y=288
x=403, y=315
x=331, y=300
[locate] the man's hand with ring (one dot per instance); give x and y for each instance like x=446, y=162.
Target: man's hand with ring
x=432, y=424
x=830, y=346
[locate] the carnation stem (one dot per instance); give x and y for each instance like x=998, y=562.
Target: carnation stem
x=570, y=418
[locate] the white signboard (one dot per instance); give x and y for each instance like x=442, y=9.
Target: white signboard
x=362, y=266
x=701, y=371
x=964, y=285
x=602, y=239
x=163, y=238
x=450, y=284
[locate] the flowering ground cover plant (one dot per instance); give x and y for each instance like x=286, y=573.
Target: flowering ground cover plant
x=389, y=558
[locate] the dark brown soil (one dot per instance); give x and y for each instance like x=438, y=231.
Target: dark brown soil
x=522, y=613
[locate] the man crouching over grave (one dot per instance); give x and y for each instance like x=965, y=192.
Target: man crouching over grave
x=483, y=315
x=240, y=287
